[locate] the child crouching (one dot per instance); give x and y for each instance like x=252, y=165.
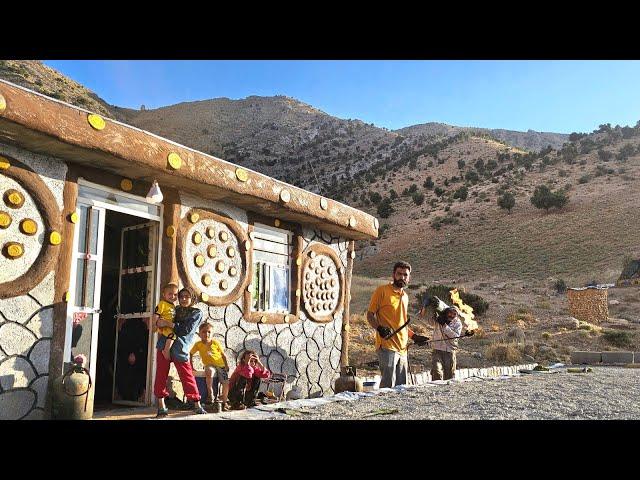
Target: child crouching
x=245, y=381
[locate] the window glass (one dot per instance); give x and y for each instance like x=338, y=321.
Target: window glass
x=272, y=248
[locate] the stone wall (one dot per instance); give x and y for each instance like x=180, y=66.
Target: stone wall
x=26, y=321
x=306, y=351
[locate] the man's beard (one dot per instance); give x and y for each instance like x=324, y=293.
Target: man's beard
x=399, y=283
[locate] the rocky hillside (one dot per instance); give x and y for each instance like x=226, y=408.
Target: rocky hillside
x=529, y=140
x=36, y=76
x=433, y=186
x=441, y=212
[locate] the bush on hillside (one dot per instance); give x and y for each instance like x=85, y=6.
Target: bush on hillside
x=479, y=304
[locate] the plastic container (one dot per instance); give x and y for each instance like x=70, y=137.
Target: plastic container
x=369, y=386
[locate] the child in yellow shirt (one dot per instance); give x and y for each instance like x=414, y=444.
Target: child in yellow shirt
x=167, y=311
x=214, y=360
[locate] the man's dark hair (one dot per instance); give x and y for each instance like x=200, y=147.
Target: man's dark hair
x=401, y=265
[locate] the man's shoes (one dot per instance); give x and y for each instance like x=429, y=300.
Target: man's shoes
x=239, y=406
x=162, y=412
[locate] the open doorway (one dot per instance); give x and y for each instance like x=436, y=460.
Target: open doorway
x=125, y=300
x=112, y=292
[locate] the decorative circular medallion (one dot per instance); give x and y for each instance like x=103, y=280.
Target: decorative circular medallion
x=96, y=121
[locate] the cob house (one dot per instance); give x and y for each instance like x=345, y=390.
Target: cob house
x=87, y=244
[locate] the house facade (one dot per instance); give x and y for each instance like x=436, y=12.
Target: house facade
x=86, y=248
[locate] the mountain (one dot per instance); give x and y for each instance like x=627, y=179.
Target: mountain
x=443, y=231
x=529, y=140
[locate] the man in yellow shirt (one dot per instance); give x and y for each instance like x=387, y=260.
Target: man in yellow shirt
x=388, y=315
x=214, y=361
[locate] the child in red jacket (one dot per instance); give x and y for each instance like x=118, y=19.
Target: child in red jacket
x=245, y=381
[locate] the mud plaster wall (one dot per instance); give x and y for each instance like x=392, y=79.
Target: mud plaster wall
x=26, y=321
x=306, y=351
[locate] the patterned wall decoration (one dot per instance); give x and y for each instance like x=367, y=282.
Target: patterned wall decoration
x=29, y=228
x=322, y=283
x=213, y=253
x=27, y=282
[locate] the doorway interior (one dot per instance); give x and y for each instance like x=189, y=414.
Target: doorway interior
x=114, y=284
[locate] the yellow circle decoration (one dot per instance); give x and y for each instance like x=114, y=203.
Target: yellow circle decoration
x=126, y=184
x=263, y=319
x=204, y=297
x=276, y=222
x=67, y=296
x=233, y=271
x=194, y=217
x=247, y=245
x=55, y=238
x=28, y=226
x=242, y=174
x=298, y=261
x=220, y=266
x=212, y=251
x=171, y=231
x=3, y=103
x=199, y=260
x=324, y=204
x=174, y=160
x=96, y=121
x=74, y=217
x=224, y=236
x=298, y=292
x=352, y=222
x=197, y=238
x=231, y=252
x=13, y=198
x=286, y=319
x=5, y=220
x=4, y=163
x=206, y=279
x=211, y=232
x=223, y=284
x=14, y=250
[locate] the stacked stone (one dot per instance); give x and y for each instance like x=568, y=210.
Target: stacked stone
x=589, y=304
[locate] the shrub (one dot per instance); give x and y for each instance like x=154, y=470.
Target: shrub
x=385, y=208
x=618, y=338
x=479, y=304
x=584, y=178
x=507, y=201
x=543, y=197
x=418, y=198
x=462, y=193
x=428, y=183
x=503, y=352
x=560, y=286
x=439, y=191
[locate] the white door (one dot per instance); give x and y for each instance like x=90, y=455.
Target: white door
x=83, y=307
x=136, y=303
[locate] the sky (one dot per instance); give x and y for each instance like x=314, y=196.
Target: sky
x=548, y=96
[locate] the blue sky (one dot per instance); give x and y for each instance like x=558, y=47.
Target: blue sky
x=552, y=96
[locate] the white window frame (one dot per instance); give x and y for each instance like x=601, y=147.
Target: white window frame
x=276, y=238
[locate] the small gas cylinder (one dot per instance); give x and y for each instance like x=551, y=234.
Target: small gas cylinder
x=70, y=395
x=348, y=381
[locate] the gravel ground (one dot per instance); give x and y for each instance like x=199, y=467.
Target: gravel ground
x=606, y=393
